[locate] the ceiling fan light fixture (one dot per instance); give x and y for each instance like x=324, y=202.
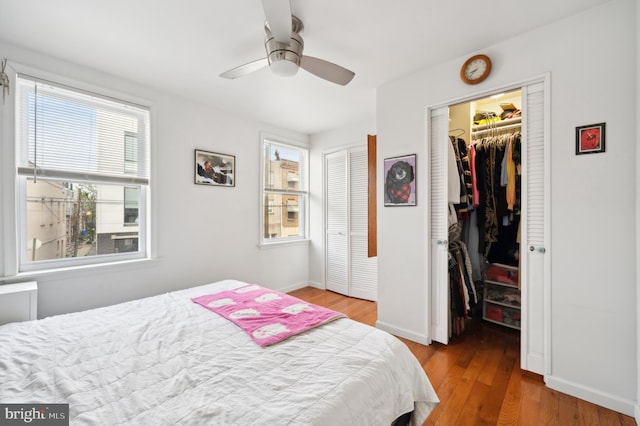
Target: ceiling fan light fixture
x=284, y=59
x=284, y=51
x=284, y=68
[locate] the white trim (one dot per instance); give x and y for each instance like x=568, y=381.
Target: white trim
x=304, y=178
x=75, y=271
x=8, y=261
x=283, y=243
x=294, y=287
x=517, y=85
x=547, y=227
x=539, y=363
x=612, y=402
x=403, y=332
x=316, y=284
x=12, y=262
x=76, y=83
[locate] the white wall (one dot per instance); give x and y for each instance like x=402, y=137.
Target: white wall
x=637, y=408
x=592, y=247
x=321, y=143
x=200, y=234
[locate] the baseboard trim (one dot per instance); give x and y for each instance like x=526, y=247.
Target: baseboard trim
x=637, y=414
x=318, y=285
x=402, y=332
x=293, y=287
x=595, y=396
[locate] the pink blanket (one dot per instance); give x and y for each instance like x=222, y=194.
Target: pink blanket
x=267, y=316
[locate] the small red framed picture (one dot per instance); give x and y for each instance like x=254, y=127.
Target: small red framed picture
x=590, y=139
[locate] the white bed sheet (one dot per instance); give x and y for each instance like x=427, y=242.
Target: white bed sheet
x=165, y=360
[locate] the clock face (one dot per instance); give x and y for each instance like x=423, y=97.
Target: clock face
x=475, y=69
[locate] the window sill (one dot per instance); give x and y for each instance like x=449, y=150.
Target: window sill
x=280, y=244
x=80, y=270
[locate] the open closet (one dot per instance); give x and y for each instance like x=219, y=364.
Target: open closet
x=521, y=269
x=484, y=198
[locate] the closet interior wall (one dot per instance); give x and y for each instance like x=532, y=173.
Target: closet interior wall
x=491, y=299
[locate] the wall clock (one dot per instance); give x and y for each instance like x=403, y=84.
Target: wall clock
x=475, y=69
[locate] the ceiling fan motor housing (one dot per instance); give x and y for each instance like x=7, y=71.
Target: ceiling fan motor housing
x=284, y=59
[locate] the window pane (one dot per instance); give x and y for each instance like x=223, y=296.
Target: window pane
x=72, y=219
x=283, y=216
x=60, y=129
x=91, y=156
x=282, y=167
x=131, y=205
x=284, y=192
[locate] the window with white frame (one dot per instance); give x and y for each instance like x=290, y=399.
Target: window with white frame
x=88, y=154
x=284, y=191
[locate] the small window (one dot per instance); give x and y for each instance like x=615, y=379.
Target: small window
x=131, y=200
x=83, y=159
x=284, y=191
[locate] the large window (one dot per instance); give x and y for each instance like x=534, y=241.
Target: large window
x=284, y=192
x=83, y=160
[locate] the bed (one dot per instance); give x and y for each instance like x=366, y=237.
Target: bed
x=165, y=360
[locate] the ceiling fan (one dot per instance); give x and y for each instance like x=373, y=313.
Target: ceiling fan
x=284, y=48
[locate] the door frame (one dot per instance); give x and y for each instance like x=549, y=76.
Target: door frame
x=537, y=363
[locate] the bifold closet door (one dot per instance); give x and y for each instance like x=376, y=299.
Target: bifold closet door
x=535, y=230
x=363, y=269
x=439, y=230
x=349, y=270
x=337, y=223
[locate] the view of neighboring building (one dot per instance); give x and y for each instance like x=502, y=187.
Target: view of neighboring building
x=70, y=218
x=49, y=214
x=282, y=212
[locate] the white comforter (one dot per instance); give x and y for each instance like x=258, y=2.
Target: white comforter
x=165, y=360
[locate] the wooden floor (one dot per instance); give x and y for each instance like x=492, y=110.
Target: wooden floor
x=478, y=377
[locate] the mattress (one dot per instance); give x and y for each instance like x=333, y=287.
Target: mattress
x=165, y=360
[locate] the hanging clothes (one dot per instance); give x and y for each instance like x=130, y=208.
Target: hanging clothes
x=463, y=174
x=462, y=291
x=453, y=177
x=497, y=168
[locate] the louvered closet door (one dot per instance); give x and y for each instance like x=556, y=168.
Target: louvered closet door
x=363, y=269
x=439, y=246
x=337, y=243
x=535, y=219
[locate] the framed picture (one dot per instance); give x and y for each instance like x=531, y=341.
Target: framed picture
x=590, y=139
x=212, y=168
x=400, y=181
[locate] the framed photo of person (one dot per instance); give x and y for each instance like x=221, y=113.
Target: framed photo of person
x=215, y=169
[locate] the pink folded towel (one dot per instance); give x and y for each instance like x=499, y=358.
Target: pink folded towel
x=267, y=316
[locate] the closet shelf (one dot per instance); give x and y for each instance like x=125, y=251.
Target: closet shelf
x=502, y=302
x=511, y=122
x=504, y=284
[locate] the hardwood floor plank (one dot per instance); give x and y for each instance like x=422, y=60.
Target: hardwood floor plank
x=478, y=377
x=588, y=413
x=530, y=404
x=499, y=386
x=475, y=409
x=510, y=410
x=568, y=410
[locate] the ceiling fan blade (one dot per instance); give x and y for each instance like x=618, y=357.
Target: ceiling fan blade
x=327, y=70
x=278, y=14
x=245, y=69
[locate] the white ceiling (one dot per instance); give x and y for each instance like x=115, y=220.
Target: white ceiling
x=181, y=47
